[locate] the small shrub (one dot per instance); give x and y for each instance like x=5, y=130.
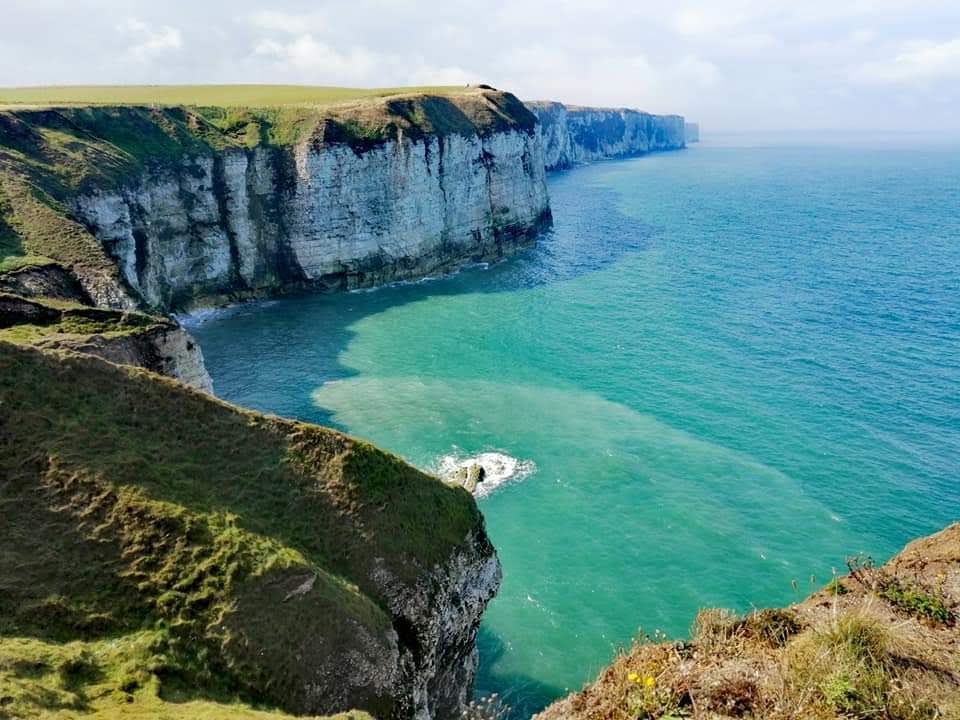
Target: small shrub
x=78, y=666
x=735, y=697
x=836, y=587
x=927, y=606
x=773, y=626
x=715, y=625
x=840, y=693
x=924, y=604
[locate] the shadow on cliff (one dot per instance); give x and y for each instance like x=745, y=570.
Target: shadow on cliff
x=265, y=355
x=522, y=694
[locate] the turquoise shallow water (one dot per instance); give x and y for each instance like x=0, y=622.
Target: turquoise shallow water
x=731, y=366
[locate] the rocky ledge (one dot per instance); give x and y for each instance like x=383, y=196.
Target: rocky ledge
x=122, y=337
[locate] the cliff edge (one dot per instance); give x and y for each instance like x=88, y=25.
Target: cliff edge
x=881, y=643
x=167, y=552
x=170, y=208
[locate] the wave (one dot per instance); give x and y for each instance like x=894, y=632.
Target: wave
x=498, y=468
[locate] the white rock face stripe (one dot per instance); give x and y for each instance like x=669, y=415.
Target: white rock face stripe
x=251, y=221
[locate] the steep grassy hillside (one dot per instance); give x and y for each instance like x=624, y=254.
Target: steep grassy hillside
x=165, y=554
x=878, y=644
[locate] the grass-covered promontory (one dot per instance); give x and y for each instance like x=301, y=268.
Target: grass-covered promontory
x=57, y=144
x=165, y=554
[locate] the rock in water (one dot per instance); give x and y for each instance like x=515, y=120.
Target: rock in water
x=483, y=473
x=467, y=476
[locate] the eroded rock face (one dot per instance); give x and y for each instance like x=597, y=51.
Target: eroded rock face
x=572, y=134
x=157, y=344
x=165, y=349
x=324, y=215
x=437, y=621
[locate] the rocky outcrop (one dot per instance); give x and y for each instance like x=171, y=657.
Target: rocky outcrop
x=165, y=348
x=438, y=619
x=125, y=338
x=333, y=211
x=50, y=281
x=572, y=134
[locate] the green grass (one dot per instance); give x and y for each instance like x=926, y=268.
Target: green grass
x=203, y=95
x=910, y=598
x=139, y=514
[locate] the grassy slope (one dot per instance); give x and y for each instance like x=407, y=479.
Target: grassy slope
x=151, y=534
x=879, y=644
x=206, y=95
x=49, y=155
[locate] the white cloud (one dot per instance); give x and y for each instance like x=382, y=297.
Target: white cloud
x=149, y=41
x=703, y=22
x=315, y=61
x=921, y=61
x=291, y=23
x=322, y=62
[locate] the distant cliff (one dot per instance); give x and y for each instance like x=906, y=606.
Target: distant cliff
x=571, y=134
x=194, y=206
x=692, y=132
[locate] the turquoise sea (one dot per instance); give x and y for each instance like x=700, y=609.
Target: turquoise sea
x=725, y=370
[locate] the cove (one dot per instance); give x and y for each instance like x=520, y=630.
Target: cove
x=728, y=368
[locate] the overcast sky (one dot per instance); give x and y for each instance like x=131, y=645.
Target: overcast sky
x=735, y=64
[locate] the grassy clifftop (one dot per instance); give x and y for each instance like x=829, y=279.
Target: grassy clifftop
x=164, y=552
x=58, y=143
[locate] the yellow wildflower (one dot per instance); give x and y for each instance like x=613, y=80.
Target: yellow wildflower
x=649, y=681
x=633, y=677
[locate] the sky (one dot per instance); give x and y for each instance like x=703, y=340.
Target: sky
x=733, y=65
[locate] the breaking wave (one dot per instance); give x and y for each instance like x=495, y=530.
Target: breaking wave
x=499, y=469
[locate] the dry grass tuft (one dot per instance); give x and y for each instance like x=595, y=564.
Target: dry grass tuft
x=877, y=649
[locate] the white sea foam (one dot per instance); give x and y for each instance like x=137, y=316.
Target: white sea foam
x=198, y=317
x=498, y=468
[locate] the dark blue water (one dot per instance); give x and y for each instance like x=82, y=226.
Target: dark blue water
x=726, y=369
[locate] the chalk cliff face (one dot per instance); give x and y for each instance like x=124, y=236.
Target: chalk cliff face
x=321, y=213
x=572, y=134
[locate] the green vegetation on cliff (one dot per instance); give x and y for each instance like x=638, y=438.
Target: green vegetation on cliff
x=167, y=553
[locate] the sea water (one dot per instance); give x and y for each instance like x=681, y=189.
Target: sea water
x=724, y=371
